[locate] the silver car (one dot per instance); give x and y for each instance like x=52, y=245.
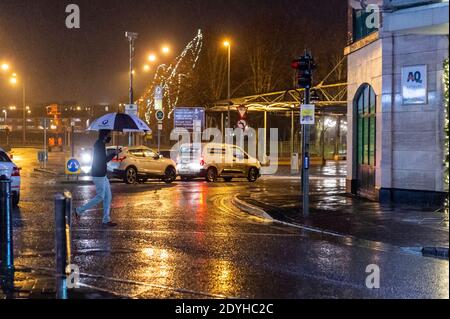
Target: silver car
x=140, y=163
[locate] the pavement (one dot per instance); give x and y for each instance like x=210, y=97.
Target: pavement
x=40, y=284
x=188, y=240
x=335, y=212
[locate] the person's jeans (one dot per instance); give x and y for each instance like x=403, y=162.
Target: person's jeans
x=103, y=190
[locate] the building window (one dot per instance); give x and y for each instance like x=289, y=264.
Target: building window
x=366, y=125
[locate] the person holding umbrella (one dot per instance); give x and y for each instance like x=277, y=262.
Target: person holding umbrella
x=100, y=179
x=105, y=125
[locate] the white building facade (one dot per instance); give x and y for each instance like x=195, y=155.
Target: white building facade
x=396, y=100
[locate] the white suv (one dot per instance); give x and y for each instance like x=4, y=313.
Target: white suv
x=140, y=163
x=211, y=160
x=11, y=171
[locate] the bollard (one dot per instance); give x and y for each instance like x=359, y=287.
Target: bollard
x=6, y=225
x=63, y=206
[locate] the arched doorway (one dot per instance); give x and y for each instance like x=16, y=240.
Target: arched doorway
x=366, y=129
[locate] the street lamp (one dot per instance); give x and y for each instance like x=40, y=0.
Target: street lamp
x=165, y=50
x=14, y=81
x=152, y=57
x=5, y=67
x=227, y=44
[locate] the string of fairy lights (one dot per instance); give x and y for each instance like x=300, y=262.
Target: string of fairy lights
x=172, y=77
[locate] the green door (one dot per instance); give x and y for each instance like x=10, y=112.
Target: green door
x=366, y=140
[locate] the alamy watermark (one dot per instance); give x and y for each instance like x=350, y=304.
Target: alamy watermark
x=73, y=276
x=373, y=278
x=259, y=145
x=73, y=20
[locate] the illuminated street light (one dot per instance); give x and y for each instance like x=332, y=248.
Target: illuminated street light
x=152, y=58
x=5, y=67
x=146, y=68
x=227, y=44
x=13, y=80
x=165, y=50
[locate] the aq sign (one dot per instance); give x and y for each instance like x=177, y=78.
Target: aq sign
x=414, y=84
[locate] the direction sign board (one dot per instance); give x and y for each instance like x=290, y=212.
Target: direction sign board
x=73, y=167
x=131, y=109
x=189, y=118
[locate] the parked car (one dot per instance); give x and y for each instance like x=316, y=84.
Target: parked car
x=212, y=161
x=140, y=163
x=11, y=171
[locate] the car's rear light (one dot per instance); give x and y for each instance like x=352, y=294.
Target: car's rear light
x=202, y=161
x=119, y=160
x=16, y=172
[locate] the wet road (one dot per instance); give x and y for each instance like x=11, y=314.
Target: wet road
x=187, y=240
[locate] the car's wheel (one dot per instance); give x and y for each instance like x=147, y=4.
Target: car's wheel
x=15, y=200
x=211, y=175
x=170, y=175
x=253, y=175
x=131, y=175
x=228, y=179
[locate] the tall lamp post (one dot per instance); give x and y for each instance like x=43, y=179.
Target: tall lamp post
x=227, y=44
x=5, y=112
x=131, y=36
x=14, y=81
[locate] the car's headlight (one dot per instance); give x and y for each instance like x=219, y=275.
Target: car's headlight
x=86, y=158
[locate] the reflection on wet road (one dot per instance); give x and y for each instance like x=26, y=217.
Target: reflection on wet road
x=188, y=240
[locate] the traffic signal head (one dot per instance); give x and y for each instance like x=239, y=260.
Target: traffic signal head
x=304, y=66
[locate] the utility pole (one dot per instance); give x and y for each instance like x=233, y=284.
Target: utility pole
x=24, y=120
x=229, y=86
x=305, y=66
x=131, y=36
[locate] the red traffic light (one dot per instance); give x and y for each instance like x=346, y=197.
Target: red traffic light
x=295, y=64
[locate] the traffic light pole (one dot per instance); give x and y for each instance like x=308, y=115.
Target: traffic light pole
x=305, y=66
x=306, y=160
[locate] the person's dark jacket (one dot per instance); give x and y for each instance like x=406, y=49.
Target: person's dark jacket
x=100, y=159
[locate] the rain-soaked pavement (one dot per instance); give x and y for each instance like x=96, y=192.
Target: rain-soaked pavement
x=187, y=240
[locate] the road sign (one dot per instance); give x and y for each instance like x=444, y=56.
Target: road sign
x=160, y=127
x=242, y=109
x=242, y=124
x=73, y=167
x=159, y=93
x=158, y=105
x=131, y=109
x=307, y=114
x=189, y=117
x=160, y=115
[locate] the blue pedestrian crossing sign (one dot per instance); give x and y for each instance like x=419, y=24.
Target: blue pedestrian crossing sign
x=73, y=167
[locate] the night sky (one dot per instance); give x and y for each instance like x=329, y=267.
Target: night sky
x=89, y=65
